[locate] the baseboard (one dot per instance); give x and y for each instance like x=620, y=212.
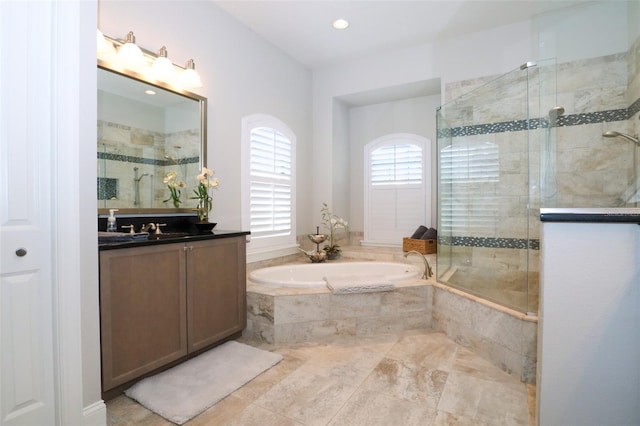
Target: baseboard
x=95, y=414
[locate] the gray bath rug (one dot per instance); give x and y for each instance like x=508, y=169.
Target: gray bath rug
x=188, y=389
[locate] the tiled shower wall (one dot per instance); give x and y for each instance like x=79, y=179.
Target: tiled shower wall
x=598, y=95
x=122, y=148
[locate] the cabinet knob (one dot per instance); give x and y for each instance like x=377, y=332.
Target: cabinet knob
x=21, y=252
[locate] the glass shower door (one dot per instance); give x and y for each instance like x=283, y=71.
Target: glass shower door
x=484, y=189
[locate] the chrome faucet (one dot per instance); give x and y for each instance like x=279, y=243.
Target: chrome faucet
x=428, y=272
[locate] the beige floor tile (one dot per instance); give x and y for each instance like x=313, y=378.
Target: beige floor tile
x=427, y=349
x=494, y=402
x=123, y=411
x=307, y=398
x=416, y=377
x=265, y=381
x=447, y=419
x=371, y=408
x=468, y=363
x=349, y=364
x=234, y=411
x=407, y=381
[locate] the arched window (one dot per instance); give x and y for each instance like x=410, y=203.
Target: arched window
x=268, y=182
x=397, y=187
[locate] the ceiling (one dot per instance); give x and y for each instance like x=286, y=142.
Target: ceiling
x=302, y=28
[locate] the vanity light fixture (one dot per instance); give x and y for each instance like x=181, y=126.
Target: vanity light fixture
x=340, y=24
x=130, y=53
x=152, y=66
x=190, y=77
x=162, y=67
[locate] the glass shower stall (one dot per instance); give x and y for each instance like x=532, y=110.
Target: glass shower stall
x=496, y=167
x=546, y=134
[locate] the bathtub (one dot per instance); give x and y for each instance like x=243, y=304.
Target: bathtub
x=311, y=275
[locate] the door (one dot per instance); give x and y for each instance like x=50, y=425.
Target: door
x=26, y=303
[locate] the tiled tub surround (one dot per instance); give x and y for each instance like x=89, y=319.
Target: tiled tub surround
x=504, y=337
x=121, y=148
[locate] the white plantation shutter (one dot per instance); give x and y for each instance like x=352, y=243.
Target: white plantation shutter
x=396, y=165
x=270, y=183
x=397, y=188
x=468, y=172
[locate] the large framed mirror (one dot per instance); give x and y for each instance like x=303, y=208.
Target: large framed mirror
x=146, y=131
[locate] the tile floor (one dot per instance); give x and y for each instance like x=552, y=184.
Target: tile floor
x=418, y=377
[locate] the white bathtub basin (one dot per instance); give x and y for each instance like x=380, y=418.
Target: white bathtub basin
x=311, y=275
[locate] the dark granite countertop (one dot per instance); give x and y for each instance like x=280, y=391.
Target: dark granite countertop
x=593, y=215
x=170, y=238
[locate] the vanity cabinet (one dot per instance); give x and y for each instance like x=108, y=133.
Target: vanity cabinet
x=216, y=291
x=160, y=304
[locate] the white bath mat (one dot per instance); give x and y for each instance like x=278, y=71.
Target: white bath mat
x=188, y=389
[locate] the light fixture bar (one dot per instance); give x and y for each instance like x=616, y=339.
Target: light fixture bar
x=151, y=66
x=150, y=54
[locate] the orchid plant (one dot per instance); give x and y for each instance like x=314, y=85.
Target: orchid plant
x=175, y=187
x=333, y=223
x=206, y=180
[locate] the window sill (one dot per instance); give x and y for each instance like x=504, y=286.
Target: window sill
x=267, y=253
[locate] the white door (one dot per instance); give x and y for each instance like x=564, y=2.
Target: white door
x=26, y=320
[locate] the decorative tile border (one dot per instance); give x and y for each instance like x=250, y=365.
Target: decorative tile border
x=535, y=123
x=143, y=160
x=490, y=242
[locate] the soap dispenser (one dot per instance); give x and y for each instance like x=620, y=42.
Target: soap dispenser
x=111, y=221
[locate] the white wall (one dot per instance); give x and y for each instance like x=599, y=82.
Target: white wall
x=366, y=123
x=587, y=31
x=242, y=74
x=492, y=52
x=588, y=340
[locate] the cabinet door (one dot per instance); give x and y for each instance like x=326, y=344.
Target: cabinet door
x=142, y=310
x=216, y=290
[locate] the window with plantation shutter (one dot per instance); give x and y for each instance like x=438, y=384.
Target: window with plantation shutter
x=397, y=188
x=268, y=182
x=397, y=164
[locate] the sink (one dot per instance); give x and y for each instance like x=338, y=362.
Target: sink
x=168, y=235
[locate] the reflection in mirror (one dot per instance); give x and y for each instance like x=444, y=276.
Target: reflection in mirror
x=146, y=132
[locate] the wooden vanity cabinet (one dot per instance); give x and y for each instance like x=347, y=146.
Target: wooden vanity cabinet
x=216, y=301
x=161, y=303
x=143, y=310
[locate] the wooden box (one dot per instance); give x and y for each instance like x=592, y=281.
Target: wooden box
x=421, y=246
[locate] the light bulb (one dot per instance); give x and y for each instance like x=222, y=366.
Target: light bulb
x=162, y=67
x=129, y=53
x=105, y=49
x=190, y=77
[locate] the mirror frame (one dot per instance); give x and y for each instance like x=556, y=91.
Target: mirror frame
x=126, y=73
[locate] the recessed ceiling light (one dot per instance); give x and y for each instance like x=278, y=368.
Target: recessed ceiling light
x=340, y=24
x=149, y=92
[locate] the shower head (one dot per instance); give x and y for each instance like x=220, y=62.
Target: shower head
x=556, y=112
x=614, y=134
